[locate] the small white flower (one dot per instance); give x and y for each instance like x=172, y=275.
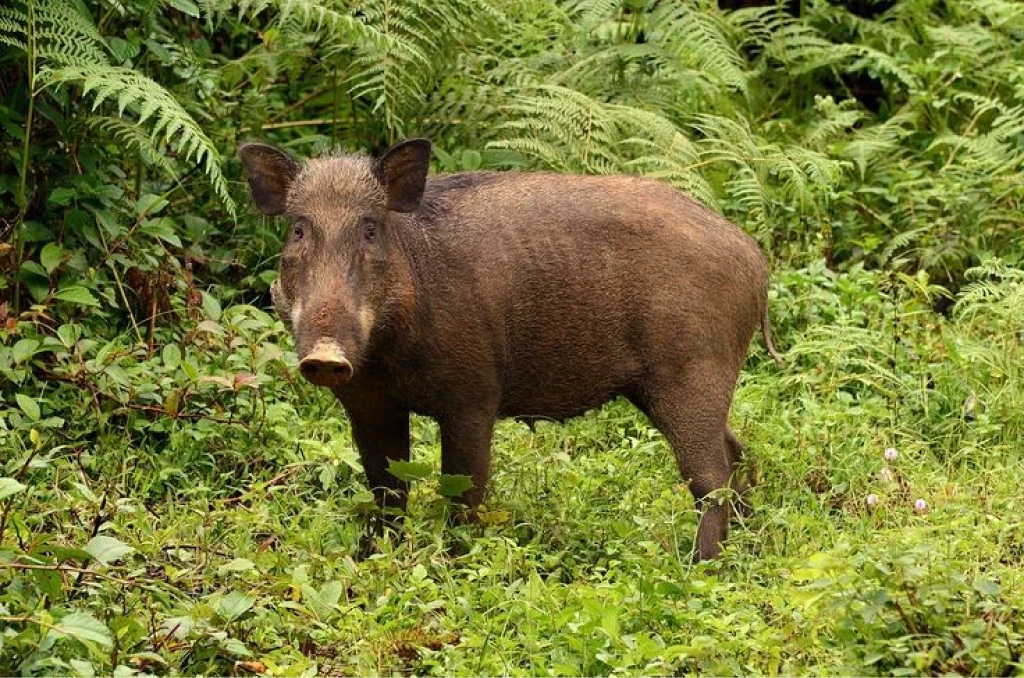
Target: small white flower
x=891, y=453
x=921, y=506
x=872, y=500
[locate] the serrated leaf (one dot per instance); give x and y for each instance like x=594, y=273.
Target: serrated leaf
x=234, y=605
x=107, y=549
x=85, y=627
x=409, y=470
x=76, y=294
x=453, y=485
x=9, y=487
x=50, y=257
x=28, y=405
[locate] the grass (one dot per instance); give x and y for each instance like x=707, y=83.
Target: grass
x=234, y=542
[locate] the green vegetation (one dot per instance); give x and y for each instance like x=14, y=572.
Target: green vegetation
x=174, y=501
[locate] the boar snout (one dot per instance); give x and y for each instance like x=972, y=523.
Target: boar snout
x=326, y=365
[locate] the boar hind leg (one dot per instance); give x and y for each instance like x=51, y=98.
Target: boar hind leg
x=382, y=434
x=691, y=412
x=466, y=450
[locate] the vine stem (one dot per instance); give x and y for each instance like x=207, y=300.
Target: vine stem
x=19, y=227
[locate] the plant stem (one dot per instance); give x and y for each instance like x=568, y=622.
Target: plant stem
x=19, y=240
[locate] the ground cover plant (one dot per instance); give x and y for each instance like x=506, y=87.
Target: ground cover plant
x=175, y=501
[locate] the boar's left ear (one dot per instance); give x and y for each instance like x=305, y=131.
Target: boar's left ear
x=403, y=171
x=270, y=172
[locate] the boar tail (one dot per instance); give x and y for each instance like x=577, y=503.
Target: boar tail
x=766, y=332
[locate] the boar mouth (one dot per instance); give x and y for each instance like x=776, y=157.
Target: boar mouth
x=326, y=365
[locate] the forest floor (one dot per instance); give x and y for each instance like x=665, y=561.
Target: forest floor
x=229, y=547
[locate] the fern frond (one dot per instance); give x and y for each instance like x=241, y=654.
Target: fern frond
x=882, y=141
x=132, y=90
x=835, y=120
x=64, y=33
x=393, y=52
x=756, y=26
x=697, y=35
x=132, y=136
x=563, y=129
x=995, y=290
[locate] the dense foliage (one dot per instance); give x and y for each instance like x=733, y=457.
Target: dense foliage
x=174, y=501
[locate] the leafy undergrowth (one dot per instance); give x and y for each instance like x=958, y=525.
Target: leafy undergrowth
x=192, y=509
x=174, y=502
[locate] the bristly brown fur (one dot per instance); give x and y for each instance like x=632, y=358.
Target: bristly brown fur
x=521, y=294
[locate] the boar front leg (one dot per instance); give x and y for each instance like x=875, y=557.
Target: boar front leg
x=381, y=434
x=466, y=450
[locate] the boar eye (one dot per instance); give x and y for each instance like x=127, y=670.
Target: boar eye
x=297, y=232
x=369, y=230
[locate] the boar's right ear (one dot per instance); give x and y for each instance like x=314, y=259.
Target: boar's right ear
x=403, y=171
x=270, y=172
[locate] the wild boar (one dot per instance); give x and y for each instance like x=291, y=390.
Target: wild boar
x=472, y=296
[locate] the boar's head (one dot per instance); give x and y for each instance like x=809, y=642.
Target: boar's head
x=341, y=265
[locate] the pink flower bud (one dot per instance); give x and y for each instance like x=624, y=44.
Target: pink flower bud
x=921, y=506
x=872, y=500
x=891, y=453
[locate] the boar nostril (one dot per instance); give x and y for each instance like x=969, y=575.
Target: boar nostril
x=326, y=365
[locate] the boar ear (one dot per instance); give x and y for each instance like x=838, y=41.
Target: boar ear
x=270, y=172
x=403, y=171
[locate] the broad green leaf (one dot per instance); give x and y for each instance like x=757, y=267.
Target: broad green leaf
x=236, y=647
x=331, y=592
x=24, y=349
x=31, y=269
x=186, y=6
x=83, y=669
x=453, y=485
x=150, y=205
x=85, y=627
x=28, y=405
x=236, y=565
x=162, y=228
x=76, y=294
x=171, y=356
x=987, y=587
x=51, y=256
x=211, y=307
x=50, y=584
x=471, y=159
x=234, y=605
x=362, y=497
x=323, y=602
x=409, y=470
x=107, y=549
x=191, y=371
x=9, y=487
x=61, y=196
